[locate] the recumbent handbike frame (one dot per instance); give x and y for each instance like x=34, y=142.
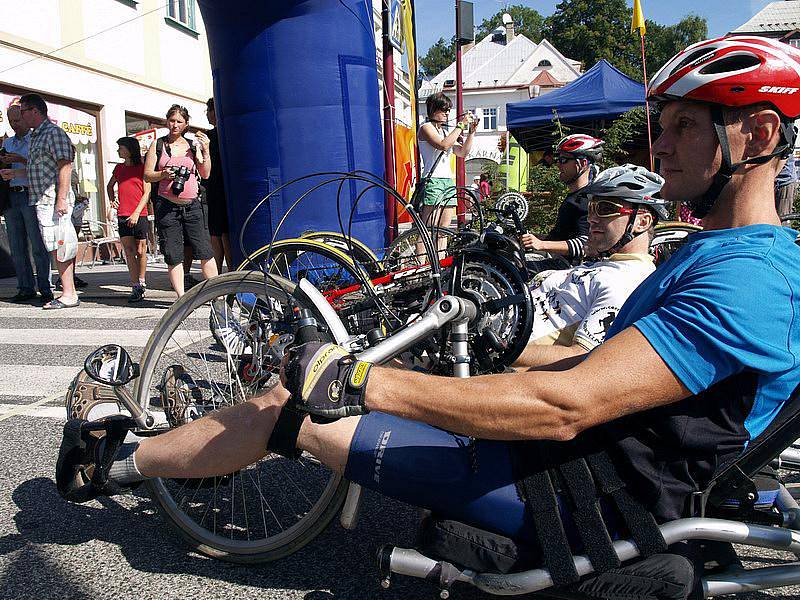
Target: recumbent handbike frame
x=776, y=530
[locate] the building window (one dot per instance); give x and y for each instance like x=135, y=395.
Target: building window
x=182, y=12
x=489, y=119
x=545, y=63
x=795, y=42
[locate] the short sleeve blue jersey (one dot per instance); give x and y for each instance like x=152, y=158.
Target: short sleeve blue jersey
x=723, y=314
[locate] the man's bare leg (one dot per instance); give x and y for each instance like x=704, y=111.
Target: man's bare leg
x=232, y=438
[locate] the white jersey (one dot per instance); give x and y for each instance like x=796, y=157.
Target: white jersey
x=578, y=305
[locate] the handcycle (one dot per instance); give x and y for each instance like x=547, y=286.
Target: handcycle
x=271, y=509
x=367, y=292
x=238, y=517
x=726, y=510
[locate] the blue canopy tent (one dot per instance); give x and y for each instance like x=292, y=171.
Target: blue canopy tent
x=586, y=104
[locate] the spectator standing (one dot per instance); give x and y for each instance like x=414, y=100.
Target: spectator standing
x=49, y=170
x=179, y=212
x=485, y=187
x=216, y=201
x=133, y=194
x=436, y=144
x=785, y=188
x=20, y=217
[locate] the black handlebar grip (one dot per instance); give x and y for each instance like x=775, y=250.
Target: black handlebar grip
x=307, y=328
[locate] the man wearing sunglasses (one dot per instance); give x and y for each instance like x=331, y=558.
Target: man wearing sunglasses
x=575, y=307
x=576, y=157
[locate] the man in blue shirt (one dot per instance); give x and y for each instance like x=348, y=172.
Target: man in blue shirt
x=698, y=362
x=20, y=217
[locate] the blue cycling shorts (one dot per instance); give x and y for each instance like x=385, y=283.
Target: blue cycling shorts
x=431, y=468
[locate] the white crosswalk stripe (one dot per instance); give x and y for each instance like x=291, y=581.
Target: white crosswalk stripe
x=97, y=312
x=74, y=337
x=41, y=351
x=49, y=380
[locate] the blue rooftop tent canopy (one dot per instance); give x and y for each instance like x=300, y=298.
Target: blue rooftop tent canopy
x=586, y=104
x=296, y=93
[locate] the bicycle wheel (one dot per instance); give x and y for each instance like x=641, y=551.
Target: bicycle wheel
x=669, y=237
x=357, y=251
x=407, y=251
x=271, y=508
x=344, y=284
x=503, y=326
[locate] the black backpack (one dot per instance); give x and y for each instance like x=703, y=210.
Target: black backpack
x=161, y=147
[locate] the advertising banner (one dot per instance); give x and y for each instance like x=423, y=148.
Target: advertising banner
x=405, y=158
x=515, y=167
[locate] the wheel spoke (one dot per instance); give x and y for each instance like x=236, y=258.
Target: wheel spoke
x=255, y=512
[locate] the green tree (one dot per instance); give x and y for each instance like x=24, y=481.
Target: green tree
x=590, y=30
x=438, y=57
x=527, y=22
x=619, y=136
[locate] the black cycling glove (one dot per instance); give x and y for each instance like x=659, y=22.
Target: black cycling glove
x=326, y=381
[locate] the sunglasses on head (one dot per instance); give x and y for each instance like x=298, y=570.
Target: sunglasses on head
x=607, y=208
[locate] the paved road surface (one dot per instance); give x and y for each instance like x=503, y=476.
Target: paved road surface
x=122, y=548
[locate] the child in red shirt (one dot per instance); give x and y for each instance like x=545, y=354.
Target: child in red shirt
x=133, y=194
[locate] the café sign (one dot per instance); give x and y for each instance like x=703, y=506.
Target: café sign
x=81, y=127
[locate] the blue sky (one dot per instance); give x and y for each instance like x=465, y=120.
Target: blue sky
x=436, y=18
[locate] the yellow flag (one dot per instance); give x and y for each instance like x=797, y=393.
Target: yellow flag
x=638, y=18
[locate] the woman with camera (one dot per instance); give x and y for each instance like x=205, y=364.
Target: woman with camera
x=436, y=144
x=177, y=165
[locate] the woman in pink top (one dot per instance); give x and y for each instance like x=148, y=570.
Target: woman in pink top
x=176, y=166
x=133, y=194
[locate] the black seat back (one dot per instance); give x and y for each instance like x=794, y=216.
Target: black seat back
x=779, y=435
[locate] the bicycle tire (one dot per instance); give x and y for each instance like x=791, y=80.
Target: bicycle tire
x=341, y=280
x=402, y=252
x=357, y=251
x=229, y=542
x=788, y=218
x=677, y=226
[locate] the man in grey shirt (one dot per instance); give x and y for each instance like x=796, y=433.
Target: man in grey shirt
x=785, y=188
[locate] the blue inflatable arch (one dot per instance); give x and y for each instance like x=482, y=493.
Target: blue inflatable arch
x=296, y=93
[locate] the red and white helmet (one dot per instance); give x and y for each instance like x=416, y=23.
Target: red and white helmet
x=579, y=145
x=733, y=71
